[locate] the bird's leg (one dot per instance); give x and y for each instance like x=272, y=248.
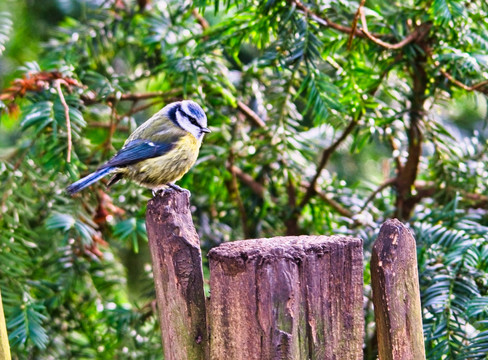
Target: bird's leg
x=158, y=192
x=179, y=189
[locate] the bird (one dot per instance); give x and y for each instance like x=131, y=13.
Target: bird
x=159, y=152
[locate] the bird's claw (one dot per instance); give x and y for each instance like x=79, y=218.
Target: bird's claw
x=161, y=191
x=179, y=189
x=158, y=192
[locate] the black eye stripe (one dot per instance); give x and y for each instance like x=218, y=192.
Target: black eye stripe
x=192, y=120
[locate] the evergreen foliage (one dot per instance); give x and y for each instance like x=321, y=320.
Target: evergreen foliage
x=327, y=117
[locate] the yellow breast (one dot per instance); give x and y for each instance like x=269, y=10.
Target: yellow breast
x=168, y=168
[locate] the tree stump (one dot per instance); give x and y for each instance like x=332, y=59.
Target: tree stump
x=178, y=276
x=396, y=295
x=287, y=298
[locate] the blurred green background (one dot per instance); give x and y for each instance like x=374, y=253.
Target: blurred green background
x=350, y=131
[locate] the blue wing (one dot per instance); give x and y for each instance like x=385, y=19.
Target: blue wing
x=137, y=150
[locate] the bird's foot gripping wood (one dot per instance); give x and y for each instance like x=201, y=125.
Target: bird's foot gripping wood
x=170, y=187
x=179, y=189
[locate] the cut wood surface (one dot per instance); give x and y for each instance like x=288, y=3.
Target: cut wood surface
x=287, y=298
x=178, y=276
x=396, y=296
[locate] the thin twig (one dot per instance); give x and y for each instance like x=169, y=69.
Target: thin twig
x=201, y=20
x=335, y=205
x=476, y=87
x=247, y=179
x=250, y=114
x=328, y=199
x=259, y=190
x=57, y=85
x=90, y=98
x=418, y=33
x=324, y=21
x=355, y=24
x=397, y=159
x=380, y=188
x=114, y=121
x=102, y=125
x=137, y=109
x=311, y=190
x=327, y=152
x=234, y=189
x=407, y=174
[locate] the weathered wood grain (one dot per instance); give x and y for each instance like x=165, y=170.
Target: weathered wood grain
x=396, y=296
x=287, y=298
x=178, y=276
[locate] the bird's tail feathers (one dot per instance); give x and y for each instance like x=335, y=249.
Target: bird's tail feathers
x=88, y=180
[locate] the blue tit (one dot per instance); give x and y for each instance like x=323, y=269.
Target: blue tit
x=159, y=152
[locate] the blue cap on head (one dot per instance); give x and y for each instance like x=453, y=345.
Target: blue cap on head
x=193, y=109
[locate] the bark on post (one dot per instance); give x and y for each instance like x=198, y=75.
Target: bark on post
x=178, y=276
x=396, y=296
x=287, y=298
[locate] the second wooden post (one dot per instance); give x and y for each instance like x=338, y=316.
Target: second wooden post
x=287, y=298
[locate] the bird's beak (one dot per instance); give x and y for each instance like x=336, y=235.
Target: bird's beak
x=206, y=130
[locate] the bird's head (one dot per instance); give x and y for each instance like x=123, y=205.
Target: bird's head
x=189, y=116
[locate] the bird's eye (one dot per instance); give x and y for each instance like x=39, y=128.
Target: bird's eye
x=192, y=120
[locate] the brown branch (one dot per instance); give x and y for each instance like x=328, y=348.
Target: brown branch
x=335, y=205
x=425, y=189
x=57, y=85
x=137, y=109
x=36, y=82
x=114, y=121
x=418, y=33
x=481, y=86
x=247, y=179
x=311, y=190
x=324, y=21
x=234, y=190
x=133, y=97
x=407, y=174
x=380, y=188
x=89, y=99
x=327, y=152
x=102, y=125
x=201, y=20
x=250, y=114
x=355, y=24
x=479, y=201
x=291, y=225
x=398, y=162
x=259, y=190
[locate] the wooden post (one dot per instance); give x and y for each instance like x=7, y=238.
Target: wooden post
x=4, y=344
x=287, y=298
x=178, y=276
x=396, y=295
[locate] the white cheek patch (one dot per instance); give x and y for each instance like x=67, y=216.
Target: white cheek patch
x=186, y=125
x=180, y=119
